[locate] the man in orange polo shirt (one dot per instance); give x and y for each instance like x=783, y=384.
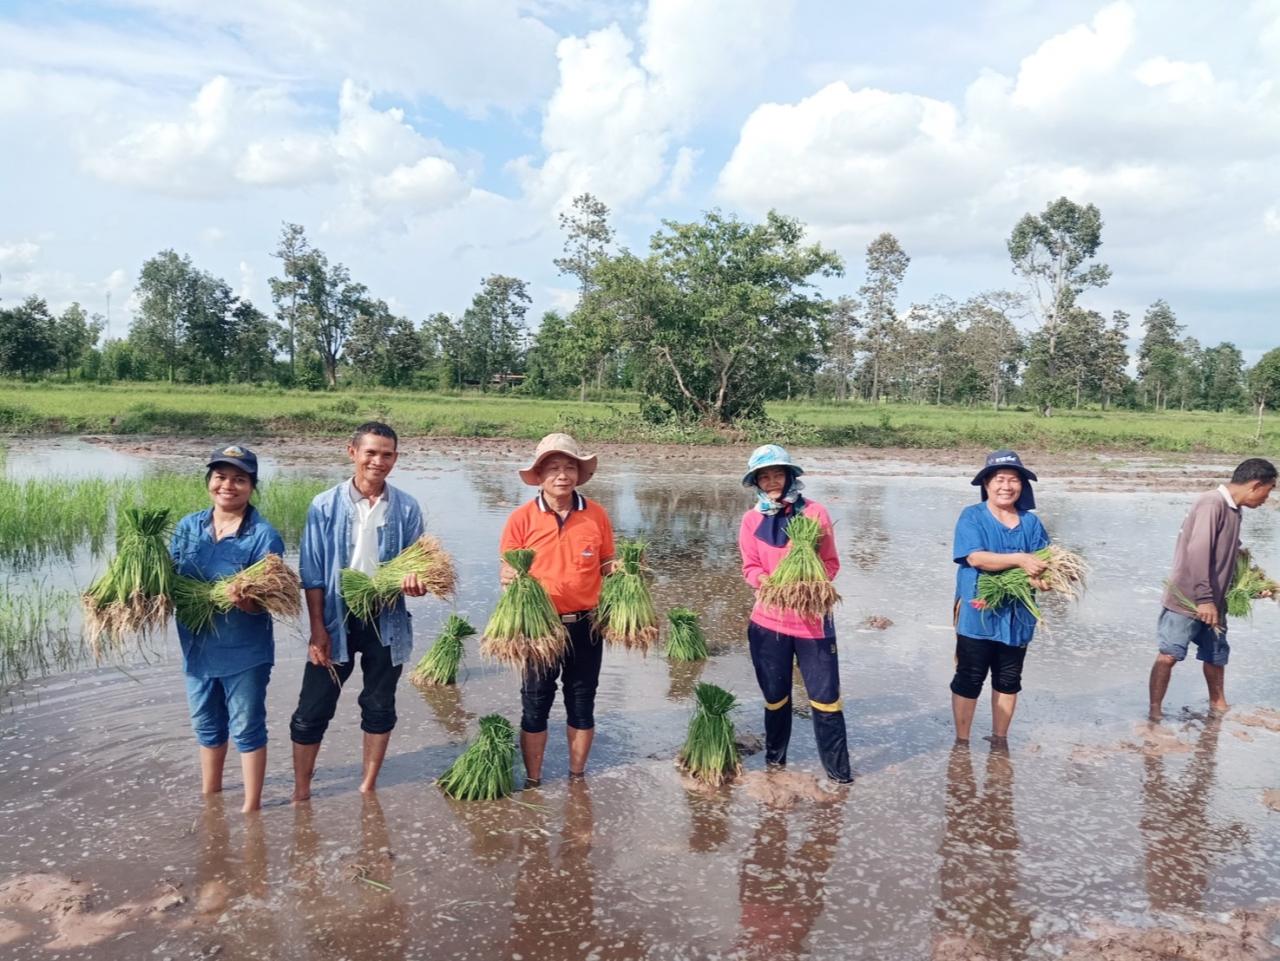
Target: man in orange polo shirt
x=573, y=544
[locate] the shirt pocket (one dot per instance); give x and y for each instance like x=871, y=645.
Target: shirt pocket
x=584, y=547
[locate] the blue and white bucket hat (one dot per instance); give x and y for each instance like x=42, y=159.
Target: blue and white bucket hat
x=1008, y=460
x=768, y=455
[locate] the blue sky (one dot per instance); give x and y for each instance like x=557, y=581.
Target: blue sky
x=427, y=145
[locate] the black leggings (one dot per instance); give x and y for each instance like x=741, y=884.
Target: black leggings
x=318, y=699
x=579, y=670
x=976, y=656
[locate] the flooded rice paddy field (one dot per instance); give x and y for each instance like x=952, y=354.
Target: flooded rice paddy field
x=1094, y=836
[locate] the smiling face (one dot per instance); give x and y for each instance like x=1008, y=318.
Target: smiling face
x=229, y=488
x=373, y=456
x=1004, y=487
x=773, y=481
x=559, y=476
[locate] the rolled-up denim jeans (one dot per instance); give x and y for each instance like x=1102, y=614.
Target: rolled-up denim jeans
x=235, y=706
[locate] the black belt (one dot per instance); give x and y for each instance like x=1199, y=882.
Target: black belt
x=575, y=616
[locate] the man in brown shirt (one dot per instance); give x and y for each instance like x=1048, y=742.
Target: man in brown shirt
x=1194, y=607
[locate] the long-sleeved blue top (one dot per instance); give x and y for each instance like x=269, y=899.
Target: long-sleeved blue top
x=326, y=550
x=235, y=641
x=978, y=530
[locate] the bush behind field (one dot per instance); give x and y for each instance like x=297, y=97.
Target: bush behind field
x=239, y=411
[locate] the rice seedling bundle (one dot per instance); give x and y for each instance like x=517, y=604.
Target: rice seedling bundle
x=440, y=664
x=1065, y=575
x=626, y=614
x=799, y=584
x=485, y=771
x=710, y=753
x=1249, y=584
x=685, y=641
x=134, y=595
x=366, y=597
x=525, y=630
x=269, y=582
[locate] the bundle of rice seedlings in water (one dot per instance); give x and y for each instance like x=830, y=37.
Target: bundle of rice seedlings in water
x=269, y=582
x=525, y=630
x=685, y=641
x=799, y=583
x=134, y=595
x=366, y=597
x=626, y=614
x=1249, y=584
x=710, y=753
x=485, y=771
x=440, y=664
x=1064, y=574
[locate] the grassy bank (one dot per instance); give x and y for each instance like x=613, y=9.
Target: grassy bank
x=159, y=409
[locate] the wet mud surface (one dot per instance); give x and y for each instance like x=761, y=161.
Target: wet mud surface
x=1095, y=835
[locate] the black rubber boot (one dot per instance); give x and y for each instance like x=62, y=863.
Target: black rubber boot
x=777, y=733
x=833, y=744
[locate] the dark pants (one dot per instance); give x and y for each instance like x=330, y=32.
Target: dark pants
x=772, y=654
x=976, y=656
x=579, y=671
x=318, y=699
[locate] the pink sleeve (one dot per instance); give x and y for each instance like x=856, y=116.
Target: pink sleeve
x=752, y=566
x=827, y=546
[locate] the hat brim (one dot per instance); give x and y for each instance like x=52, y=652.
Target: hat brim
x=237, y=464
x=980, y=478
x=532, y=475
x=749, y=478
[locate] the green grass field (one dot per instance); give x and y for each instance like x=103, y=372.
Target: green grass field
x=249, y=412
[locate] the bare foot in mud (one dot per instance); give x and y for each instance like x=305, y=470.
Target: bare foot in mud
x=1220, y=708
x=300, y=795
x=997, y=742
x=1156, y=714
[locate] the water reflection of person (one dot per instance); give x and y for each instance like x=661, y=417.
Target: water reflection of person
x=782, y=893
x=708, y=820
x=221, y=875
x=979, y=871
x=445, y=701
x=1178, y=830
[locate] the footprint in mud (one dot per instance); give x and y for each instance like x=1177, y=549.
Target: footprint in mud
x=63, y=905
x=1271, y=798
x=1263, y=717
x=1243, y=935
x=783, y=790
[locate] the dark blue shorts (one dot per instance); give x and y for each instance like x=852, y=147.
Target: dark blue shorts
x=1175, y=632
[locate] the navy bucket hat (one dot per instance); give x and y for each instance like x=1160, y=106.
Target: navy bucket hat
x=1008, y=460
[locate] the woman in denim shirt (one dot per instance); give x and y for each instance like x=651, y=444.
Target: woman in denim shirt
x=228, y=664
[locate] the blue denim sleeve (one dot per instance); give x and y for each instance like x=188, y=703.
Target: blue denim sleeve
x=968, y=537
x=182, y=534
x=311, y=566
x=1039, y=536
x=269, y=542
x=413, y=526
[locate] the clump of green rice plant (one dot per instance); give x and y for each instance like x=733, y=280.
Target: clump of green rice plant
x=440, y=664
x=524, y=631
x=52, y=515
x=799, y=584
x=270, y=583
x=284, y=502
x=1064, y=574
x=366, y=597
x=1249, y=584
x=134, y=595
x=33, y=632
x=626, y=614
x=710, y=752
x=685, y=641
x=485, y=771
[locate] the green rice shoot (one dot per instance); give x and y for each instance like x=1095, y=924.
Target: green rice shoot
x=485, y=771
x=134, y=595
x=1249, y=584
x=799, y=584
x=1065, y=575
x=440, y=664
x=710, y=752
x=524, y=632
x=270, y=583
x=626, y=614
x=685, y=640
x=366, y=597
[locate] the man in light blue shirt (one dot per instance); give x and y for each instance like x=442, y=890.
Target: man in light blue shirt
x=360, y=523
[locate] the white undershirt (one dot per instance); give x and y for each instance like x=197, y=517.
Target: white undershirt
x=364, y=530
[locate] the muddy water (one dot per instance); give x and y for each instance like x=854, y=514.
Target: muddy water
x=1093, y=836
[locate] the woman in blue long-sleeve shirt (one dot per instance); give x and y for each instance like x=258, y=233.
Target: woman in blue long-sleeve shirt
x=228, y=664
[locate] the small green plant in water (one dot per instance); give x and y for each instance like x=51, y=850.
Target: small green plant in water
x=485, y=771
x=710, y=752
x=134, y=595
x=440, y=664
x=685, y=640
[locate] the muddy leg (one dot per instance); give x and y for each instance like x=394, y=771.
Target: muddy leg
x=1215, y=676
x=532, y=748
x=1002, y=708
x=579, y=748
x=253, y=765
x=962, y=709
x=375, y=752
x=304, y=769
x=212, y=760
x=1158, y=684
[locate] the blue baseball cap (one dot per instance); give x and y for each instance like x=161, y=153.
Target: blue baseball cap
x=768, y=455
x=1008, y=460
x=237, y=455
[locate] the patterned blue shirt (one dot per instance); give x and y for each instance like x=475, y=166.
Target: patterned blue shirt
x=235, y=641
x=326, y=550
x=978, y=530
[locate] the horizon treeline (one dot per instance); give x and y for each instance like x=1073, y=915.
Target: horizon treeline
x=718, y=317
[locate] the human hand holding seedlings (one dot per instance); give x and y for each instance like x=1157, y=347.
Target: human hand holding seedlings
x=246, y=604
x=412, y=585
x=1034, y=566
x=506, y=574
x=1207, y=611
x=319, y=646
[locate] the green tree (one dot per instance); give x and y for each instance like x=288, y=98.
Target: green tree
x=589, y=339
x=1264, y=384
x=74, y=334
x=167, y=290
x=1052, y=253
x=330, y=303
x=720, y=312
x=493, y=329
x=252, y=356
x=886, y=267
x=1113, y=359
x=550, y=365
x=992, y=344
x=1222, y=376
x=442, y=340
x=287, y=291
x=1160, y=354
x=208, y=335
x=28, y=339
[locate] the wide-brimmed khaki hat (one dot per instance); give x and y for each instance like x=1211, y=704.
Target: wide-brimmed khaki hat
x=559, y=444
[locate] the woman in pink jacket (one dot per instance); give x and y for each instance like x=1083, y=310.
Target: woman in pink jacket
x=778, y=638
